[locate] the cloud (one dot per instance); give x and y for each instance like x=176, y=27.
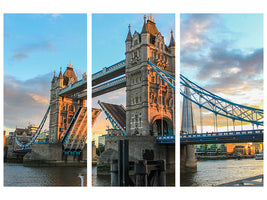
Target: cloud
x=208, y=50
x=25, y=101
x=193, y=32
x=26, y=51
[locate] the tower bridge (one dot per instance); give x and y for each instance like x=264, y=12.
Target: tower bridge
x=67, y=113
x=148, y=74
x=149, y=108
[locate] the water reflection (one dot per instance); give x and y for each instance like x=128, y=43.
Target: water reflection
x=104, y=180
x=214, y=172
x=18, y=175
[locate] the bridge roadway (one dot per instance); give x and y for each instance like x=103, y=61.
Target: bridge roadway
x=108, y=73
x=216, y=137
x=73, y=88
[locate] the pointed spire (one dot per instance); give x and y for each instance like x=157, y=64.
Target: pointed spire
x=172, y=42
x=70, y=66
x=150, y=18
x=55, y=74
x=129, y=36
x=144, y=29
x=60, y=74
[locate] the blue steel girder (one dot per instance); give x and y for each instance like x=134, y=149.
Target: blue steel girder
x=111, y=119
x=163, y=75
x=35, y=135
x=219, y=105
x=223, y=137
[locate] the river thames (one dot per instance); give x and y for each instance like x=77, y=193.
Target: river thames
x=104, y=180
x=215, y=172
x=17, y=175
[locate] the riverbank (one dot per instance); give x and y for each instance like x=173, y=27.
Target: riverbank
x=224, y=157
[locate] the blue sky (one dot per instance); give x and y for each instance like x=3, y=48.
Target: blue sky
x=35, y=45
x=109, y=32
x=224, y=54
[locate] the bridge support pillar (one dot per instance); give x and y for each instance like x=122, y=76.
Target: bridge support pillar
x=187, y=152
x=188, y=162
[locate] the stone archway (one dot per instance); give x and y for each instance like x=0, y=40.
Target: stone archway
x=161, y=126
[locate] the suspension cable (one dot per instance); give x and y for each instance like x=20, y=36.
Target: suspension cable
x=161, y=108
x=173, y=111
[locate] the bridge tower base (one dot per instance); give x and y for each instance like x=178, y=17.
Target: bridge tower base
x=52, y=155
x=188, y=161
x=140, y=148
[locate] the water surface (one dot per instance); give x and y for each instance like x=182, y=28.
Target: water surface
x=17, y=175
x=214, y=172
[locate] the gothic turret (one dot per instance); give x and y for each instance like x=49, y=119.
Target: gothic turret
x=60, y=78
x=144, y=29
x=172, y=42
x=129, y=36
x=129, y=39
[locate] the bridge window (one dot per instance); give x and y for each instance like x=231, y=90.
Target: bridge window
x=70, y=108
x=135, y=42
x=140, y=119
x=136, y=121
x=136, y=99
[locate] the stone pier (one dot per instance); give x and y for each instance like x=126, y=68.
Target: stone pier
x=188, y=160
x=140, y=148
x=53, y=155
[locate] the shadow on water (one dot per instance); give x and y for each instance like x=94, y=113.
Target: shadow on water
x=18, y=175
x=187, y=179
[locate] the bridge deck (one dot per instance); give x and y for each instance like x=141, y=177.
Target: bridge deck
x=109, y=73
x=223, y=137
x=74, y=88
x=117, y=112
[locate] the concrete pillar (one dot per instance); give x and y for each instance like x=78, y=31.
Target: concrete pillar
x=187, y=155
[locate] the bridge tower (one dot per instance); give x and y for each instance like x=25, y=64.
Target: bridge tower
x=149, y=100
x=188, y=126
x=62, y=109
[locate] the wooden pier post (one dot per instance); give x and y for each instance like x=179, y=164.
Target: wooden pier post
x=114, y=172
x=123, y=163
x=141, y=173
x=161, y=173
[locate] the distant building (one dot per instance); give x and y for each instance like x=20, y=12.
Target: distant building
x=101, y=140
x=240, y=149
x=211, y=149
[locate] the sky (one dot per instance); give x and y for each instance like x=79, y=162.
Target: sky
x=224, y=54
x=109, y=32
x=35, y=45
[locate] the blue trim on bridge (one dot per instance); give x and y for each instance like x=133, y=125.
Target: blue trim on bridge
x=28, y=149
x=216, y=137
x=223, y=137
x=168, y=139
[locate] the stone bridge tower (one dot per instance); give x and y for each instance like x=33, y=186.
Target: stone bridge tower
x=149, y=100
x=62, y=109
